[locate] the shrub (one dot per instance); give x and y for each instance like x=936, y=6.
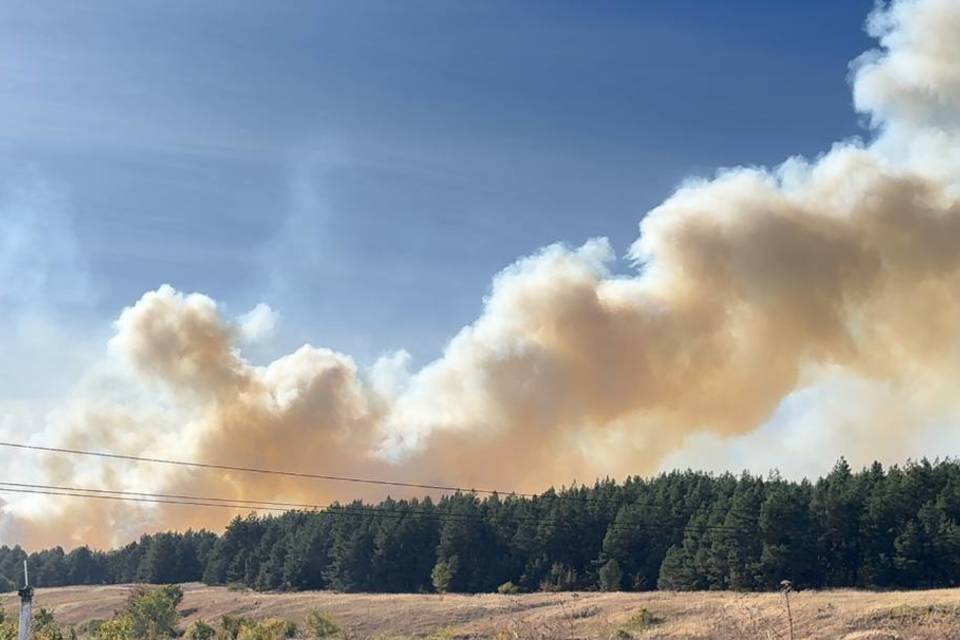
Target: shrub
x=508, y=589
x=321, y=624
x=90, y=628
x=154, y=612
x=231, y=626
x=584, y=612
x=44, y=627
x=200, y=630
x=269, y=629
x=641, y=619
x=8, y=629
x=119, y=628
x=150, y=614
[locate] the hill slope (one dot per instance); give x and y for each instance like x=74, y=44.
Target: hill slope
x=817, y=615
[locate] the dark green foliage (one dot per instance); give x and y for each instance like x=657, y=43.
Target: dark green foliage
x=508, y=589
x=150, y=613
x=444, y=573
x=351, y=565
x=877, y=528
x=153, y=612
x=611, y=577
x=163, y=558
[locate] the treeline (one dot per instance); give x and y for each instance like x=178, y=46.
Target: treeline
x=163, y=558
x=894, y=528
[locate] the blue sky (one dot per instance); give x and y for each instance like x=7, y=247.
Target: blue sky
x=365, y=168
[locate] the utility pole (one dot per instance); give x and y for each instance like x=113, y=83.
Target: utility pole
x=26, y=605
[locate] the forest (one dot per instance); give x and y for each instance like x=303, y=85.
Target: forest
x=875, y=528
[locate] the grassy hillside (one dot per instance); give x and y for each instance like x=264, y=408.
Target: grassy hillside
x=850, y=615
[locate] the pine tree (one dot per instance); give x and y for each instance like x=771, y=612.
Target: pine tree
x=786, y=536
x=611, y=577
x=444, y=573
x=837, y=506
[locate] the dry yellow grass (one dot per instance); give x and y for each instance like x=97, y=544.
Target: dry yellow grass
x=833, y=615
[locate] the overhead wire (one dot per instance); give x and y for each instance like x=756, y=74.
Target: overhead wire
x=258, y=470
x=300, y=474
x=333, y=509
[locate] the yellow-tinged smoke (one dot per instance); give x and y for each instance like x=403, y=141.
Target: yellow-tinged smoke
x=747, y=285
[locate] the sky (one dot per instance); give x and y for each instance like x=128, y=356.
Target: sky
x=403, y=239
x=364, y=170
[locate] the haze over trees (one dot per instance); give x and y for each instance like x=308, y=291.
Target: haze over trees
x=876, y=528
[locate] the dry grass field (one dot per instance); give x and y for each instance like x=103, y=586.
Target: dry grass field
x=833, y=615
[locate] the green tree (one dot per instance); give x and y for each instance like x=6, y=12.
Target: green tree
x=611, y=577
x=150, y=613
x=443, y=574
x=351, y=554
x=837, y=506
x=159, y=563
x=786, y=536
x=676, y=573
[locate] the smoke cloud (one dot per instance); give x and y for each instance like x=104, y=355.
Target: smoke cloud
x=749, y=288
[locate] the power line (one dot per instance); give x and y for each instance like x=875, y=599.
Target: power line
x=298, y=474
x=129, y=498
x=332, y=509
x=284, y=506
x=264, y=471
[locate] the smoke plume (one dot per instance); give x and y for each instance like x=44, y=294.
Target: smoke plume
x=748, y=287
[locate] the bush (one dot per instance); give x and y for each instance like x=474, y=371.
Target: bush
x=150, y=614
x=119, y=628
x=321, y=624
x=200, y=630
x=154, y=613
x=8, y=628
x=269, y=629
x=232, y=626
x=44, y=627
x=642, y=618
x=508, y=589
x=90, y=628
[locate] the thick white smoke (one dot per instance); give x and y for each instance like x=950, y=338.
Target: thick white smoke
x=749, y=288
